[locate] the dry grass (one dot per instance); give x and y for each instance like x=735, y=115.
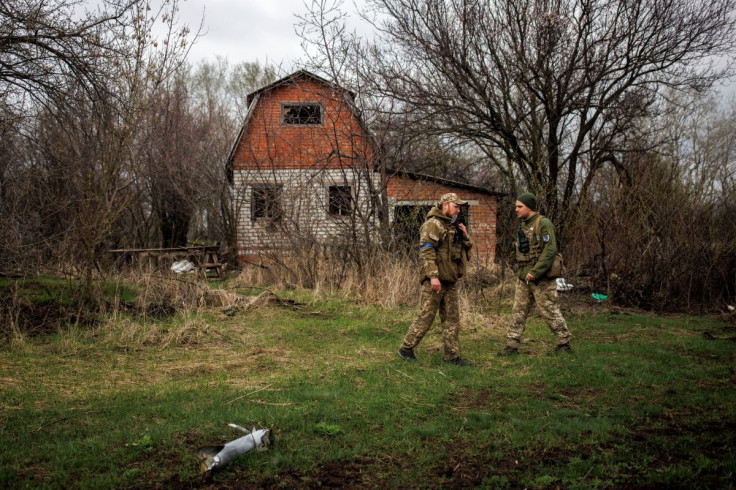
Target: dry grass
x=10, y=308
x=172, y=310
x=393, y=283
x=387, y=281
x=180, y=292
x=127, y=333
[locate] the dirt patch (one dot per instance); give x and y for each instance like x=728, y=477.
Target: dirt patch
x=470, y=467
x=709, y=336
x=34, y=320
x=39, y=319
x=342, y=474
x=349, y=474
x=470, y=399
x=335, y=474
x=158, y=311
x=157, y=466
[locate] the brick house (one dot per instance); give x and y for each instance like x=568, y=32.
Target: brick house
x=302, y=171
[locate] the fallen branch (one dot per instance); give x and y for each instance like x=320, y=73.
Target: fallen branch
x=268, y=297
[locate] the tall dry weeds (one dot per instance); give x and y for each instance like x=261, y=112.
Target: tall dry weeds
x=386, y=281
x=11, y=332
x=186, y=330
x=174, y=293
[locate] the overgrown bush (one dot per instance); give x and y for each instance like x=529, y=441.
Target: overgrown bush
x=653, y=242
x=31, y=307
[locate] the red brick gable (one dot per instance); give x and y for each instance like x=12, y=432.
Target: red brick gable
x=267, y=143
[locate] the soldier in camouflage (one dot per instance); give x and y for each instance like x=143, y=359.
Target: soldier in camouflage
x=535, y=253
x=444, y=246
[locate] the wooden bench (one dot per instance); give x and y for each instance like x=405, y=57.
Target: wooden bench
x=204, y=257
x=211, y=263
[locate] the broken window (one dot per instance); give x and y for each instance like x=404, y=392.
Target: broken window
x=301, y=114
x=266, y=201
x=341, y=200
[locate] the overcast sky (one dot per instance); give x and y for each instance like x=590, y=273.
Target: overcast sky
x=246, y=30
x=262, y=30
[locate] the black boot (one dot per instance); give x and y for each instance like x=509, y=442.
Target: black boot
x=459, y=361
x=509, y=351
x=407, y=354
x=562, y=349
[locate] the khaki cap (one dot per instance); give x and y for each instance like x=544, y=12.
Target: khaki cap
x=452, y=197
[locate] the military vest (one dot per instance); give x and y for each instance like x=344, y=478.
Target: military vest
x=451, y=261
x=533, y=237
x=449, y=258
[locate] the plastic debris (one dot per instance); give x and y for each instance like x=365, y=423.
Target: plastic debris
x=599, y=297
x=217, y=457
x=182, y=266
x=562, y=285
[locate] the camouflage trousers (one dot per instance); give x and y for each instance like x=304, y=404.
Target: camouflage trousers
x=544, y=293
x=446, y=301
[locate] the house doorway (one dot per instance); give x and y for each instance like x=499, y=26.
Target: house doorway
x=408, y=218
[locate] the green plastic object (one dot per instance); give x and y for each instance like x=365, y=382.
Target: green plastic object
x=599, y=297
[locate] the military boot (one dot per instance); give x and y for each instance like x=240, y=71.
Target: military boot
x=562, y=349
x=509, y=351
x=459, y=361
x=407, y=354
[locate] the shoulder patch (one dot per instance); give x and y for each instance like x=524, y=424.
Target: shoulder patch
x=545, y=238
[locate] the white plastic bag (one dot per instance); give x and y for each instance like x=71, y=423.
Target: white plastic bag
x=562, y=285
x=182, y=266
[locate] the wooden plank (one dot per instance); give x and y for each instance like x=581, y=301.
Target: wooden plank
x=171, y=249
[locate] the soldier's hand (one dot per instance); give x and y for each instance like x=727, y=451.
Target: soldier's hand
x=463, y=228
x=435, y=284
x=530, y=277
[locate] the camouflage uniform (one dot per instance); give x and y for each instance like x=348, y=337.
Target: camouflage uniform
x=447, y=303
x=537, y=261
x=443, y=254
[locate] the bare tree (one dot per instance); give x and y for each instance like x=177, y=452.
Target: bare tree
x=219, y=92
x=74, y=90
x=43, y=43
x=244, y=78
x=665, y=240
x=186, y=133
x=548, y=90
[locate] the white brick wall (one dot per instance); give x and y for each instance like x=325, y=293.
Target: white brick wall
x=305, y=207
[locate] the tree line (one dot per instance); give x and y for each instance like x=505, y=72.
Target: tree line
x=604, y=109
x=110, y=139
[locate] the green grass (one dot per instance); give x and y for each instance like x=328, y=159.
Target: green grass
x=42, y=290
x=644, y=401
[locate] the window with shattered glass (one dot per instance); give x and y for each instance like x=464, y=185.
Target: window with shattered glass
x=266, y=201
x=301, y=114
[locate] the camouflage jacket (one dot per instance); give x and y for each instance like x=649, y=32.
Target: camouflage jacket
x=542, y=247
x=442, y=254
